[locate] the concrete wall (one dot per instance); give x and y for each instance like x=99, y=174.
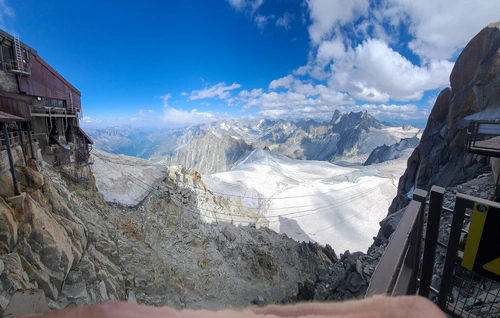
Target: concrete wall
x=8, y=82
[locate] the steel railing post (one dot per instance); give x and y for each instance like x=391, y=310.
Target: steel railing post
x=416, y=245
x=11, y=160
x=457, y=222
x=431, y=239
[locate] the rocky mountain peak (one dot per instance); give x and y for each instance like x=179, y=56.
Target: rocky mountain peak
x=353, y=120
x=440, y=158
x=336, y=116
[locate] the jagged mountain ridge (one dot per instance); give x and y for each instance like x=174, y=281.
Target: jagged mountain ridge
x=217, y=146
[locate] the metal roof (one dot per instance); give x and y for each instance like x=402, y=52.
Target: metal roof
x=8, y=118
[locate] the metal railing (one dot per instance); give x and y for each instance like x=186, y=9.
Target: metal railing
x=396, y=273
x=11, y=66
x=15, y=138
x=483, y=138
x=436, y=271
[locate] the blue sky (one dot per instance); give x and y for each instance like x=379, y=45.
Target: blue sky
x=174, y=63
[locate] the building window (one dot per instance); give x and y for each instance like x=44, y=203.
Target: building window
x=5, y=56
x=54, y=102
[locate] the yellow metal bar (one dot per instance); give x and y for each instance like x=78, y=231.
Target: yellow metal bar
x=475, y=232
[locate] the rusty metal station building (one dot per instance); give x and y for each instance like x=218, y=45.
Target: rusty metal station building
x=38, y=105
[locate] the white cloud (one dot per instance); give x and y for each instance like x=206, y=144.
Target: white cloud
x=331, y=50
x=241, y=5
x=87, y=119
x=253, y=93
x=90, y=120
x=326, y=15
x=178, y=117
x=133, y=119
x=297, y=95
x=145, y=113
x=374, y=72
x=387, y=112
x=442, y=28
x=353, y=44
x=220, y=90
x=5, y=12
x=285, y=20
x=285, y=82
x=381, y=112
x=261, y=20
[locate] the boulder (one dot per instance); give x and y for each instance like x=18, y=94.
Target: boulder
x=29, y=178
x=52, y=246
x=355, y=281
x=12, y=278
x=8, y=227
x=75, y=286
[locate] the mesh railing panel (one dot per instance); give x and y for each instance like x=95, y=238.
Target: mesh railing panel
x=473, y=295
x=486, y=142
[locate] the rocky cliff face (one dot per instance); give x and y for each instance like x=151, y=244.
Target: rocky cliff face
x=207, y=153
x=440, y=158
x=398, y=150
x=180, y=245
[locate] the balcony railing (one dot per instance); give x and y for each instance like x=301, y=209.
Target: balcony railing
x=12, y=67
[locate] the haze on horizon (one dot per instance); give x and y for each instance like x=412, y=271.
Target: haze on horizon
x=177, y=63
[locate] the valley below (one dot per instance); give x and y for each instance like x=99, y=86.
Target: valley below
x=320, y=182
x=313, y=201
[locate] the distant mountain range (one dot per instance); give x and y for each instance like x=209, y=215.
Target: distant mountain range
x=217, y=146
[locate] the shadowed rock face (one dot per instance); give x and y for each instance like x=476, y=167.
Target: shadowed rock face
x=384, y=153
x=440, y=159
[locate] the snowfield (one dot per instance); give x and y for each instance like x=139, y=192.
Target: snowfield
x=314, y=200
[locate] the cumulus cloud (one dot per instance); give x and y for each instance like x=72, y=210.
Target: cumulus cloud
x=374, y=72
x=220, y=90
x=327, y=15
x=297, y=95
x=353, y=44
x=441, y=28
x=376, y=52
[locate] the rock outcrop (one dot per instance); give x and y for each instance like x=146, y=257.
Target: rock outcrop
x=206, y=152
x=385, y=153
x=181, y=245
x=125, y=180
x=440, y=158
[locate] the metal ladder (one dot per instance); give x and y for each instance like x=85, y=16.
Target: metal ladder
x=19, y=54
